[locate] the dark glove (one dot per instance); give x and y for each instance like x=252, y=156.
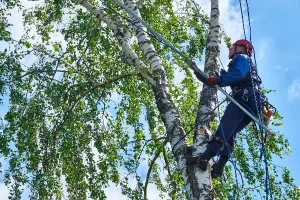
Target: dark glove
x=211, y=81
x=199, y=76
x=223, y=71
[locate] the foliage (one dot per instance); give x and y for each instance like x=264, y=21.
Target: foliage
x=80, y=115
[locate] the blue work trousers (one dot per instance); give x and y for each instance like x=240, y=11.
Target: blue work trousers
x=234, y=120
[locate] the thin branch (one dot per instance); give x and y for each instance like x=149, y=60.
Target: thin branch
x=145, y=144
x=70, y=108
x=42, y=71
x=151, y=166
x=84, y=52
x=170, y=173
x=104, y=84
x=241, y=175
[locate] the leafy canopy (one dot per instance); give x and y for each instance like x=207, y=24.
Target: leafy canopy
x=82, y=116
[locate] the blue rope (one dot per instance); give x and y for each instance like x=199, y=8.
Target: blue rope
x=241, y=7
x=266, y=161
x=249, y=23
x=235, y=192
x=267, y=180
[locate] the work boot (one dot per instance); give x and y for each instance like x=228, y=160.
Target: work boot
x=201, y=161
x=219, y=167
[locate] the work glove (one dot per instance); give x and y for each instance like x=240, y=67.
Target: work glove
x=223, y=71
x=211, y=81
x=199, y=76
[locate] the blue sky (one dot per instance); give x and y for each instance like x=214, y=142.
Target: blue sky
x=274, y=35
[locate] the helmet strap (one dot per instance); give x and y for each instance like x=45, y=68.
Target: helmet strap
x=234, y=53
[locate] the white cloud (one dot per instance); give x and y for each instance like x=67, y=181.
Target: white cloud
x=16, y=18
x=262, y=50
x=294, y=90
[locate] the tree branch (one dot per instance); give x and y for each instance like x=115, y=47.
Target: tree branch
x=120, y=35
x=145, y=144
x=151, y=166
x=170, y=173
x=42, y=71
x=103, y=85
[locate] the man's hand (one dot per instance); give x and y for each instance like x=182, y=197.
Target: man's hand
x=211, y=81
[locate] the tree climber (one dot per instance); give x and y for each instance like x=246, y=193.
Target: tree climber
x=239, y=77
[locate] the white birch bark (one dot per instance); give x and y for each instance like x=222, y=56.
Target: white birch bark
x=208, y=97
x=122, y=37
x=198, y=183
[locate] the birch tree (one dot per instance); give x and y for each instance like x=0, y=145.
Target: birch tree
x=101, y=99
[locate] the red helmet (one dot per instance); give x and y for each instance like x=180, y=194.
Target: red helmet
x=248, y=45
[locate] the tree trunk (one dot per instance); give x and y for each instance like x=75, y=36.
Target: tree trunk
x=197, y=182
x=208, y=99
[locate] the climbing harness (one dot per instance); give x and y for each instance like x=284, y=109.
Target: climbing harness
x=268, y=110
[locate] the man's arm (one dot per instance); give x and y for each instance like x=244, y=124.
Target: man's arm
x=239, y=72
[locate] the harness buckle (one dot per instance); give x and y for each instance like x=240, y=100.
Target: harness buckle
x=245, y=97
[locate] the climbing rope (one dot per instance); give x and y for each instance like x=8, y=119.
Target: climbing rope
x=257, y=101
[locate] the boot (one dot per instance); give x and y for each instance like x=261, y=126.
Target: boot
x=219, y=167
x=201, y=161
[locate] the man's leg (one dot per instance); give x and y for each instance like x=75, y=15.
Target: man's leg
x=227, y=151
x=244, y=122
x=219, y=166
x=229, y=123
